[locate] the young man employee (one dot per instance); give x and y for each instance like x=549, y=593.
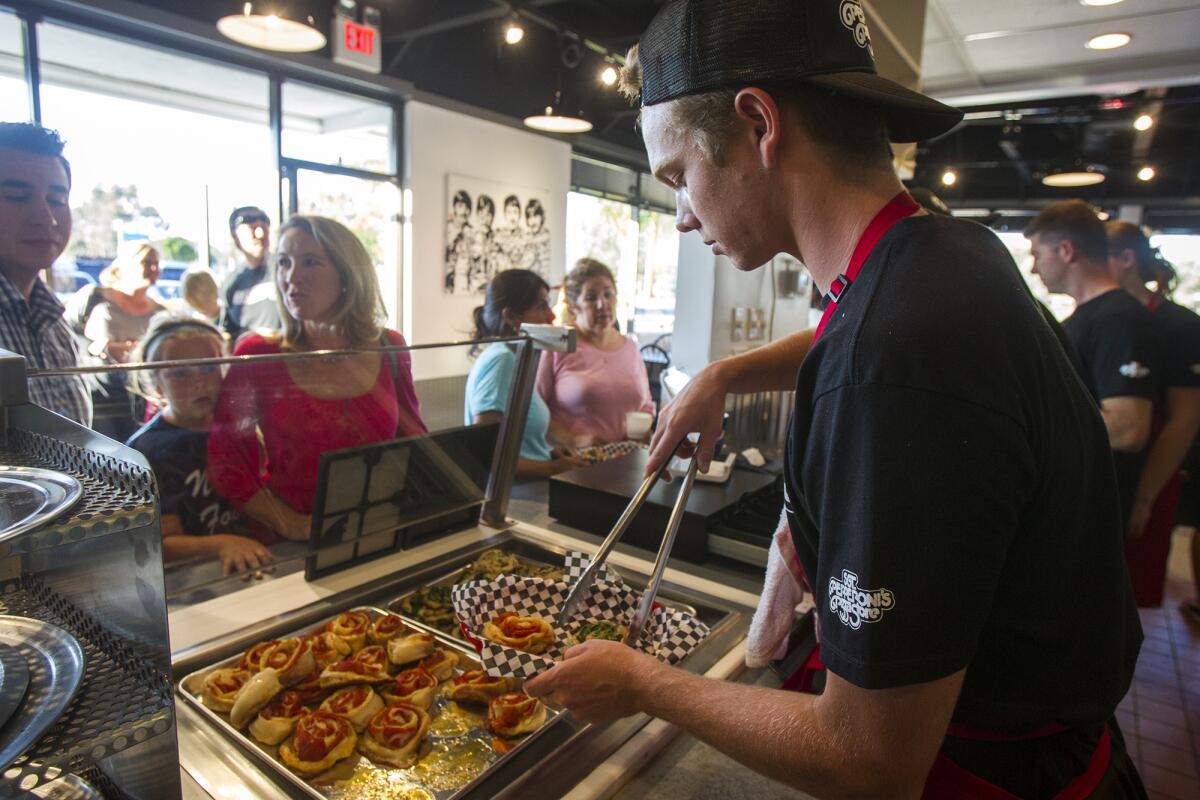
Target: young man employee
x=949, y=486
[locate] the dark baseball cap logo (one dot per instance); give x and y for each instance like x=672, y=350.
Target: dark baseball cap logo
x=855, y=19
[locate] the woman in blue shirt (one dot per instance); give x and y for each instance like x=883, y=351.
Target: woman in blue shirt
x=514, y=297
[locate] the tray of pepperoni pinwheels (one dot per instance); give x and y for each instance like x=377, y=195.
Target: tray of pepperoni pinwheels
x=364, y=705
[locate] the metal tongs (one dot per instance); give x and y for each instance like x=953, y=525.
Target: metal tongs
x=586, y=580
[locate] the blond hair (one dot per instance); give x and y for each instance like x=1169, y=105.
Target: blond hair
x=110, y=276
x=850, y=130
x=359, y=313
x=199, y=288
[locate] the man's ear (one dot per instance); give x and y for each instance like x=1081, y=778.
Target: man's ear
x=762, y=114
x=1068, y=251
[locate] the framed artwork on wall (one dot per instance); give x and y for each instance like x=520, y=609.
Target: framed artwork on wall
x=491, y=227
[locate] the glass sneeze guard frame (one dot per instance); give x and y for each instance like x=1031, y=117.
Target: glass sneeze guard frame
x=529, y=343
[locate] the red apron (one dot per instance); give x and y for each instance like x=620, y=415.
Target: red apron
x=1146, y=556
x=947, y=780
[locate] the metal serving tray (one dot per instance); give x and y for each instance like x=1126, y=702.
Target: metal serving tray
x=456, y=761
x=537, y=555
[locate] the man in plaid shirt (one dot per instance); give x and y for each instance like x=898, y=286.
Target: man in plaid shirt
x=35, y=224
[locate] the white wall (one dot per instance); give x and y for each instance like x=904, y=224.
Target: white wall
x=709, y=288
x=441, y=142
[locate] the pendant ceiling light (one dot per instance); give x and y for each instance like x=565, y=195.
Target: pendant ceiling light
x=1090, y=176
x=553, y=119
x=271, y=32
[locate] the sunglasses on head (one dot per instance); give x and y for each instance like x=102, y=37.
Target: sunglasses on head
x=252, y=219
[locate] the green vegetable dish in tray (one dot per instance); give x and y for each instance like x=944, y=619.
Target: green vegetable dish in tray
x=608, y=629
x=430, y=605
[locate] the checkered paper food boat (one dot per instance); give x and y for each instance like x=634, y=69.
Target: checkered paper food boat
x=669, y=635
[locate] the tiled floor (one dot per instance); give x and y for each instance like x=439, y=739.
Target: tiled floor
x=1161, y=714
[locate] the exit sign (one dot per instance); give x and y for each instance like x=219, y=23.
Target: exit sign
x=356, y=44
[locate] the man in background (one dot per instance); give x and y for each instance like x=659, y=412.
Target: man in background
x=250, y=292
x=1114, y=335
x=35, y=225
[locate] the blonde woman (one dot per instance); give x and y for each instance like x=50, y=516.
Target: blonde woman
x=329, y=299
x=115, y=315
x=111, y=318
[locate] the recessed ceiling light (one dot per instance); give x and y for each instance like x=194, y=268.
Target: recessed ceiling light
x=1109, y=41
x=513, y=32
x=1143, y=123
x=1100, y=2
x=270, y=32
x=949, y=178
x=1061, y=180
x=609, y=76
x=1146, y=174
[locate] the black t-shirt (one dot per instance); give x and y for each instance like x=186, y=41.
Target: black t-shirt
x=250, y=302
x=950, y=491
x=1181, y=350
x=178, y=457
x=1120, y=346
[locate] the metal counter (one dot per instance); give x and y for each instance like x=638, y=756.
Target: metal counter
x=572, y=762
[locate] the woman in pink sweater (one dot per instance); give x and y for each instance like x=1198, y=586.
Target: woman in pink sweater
x=330, y=300
x=590, y=391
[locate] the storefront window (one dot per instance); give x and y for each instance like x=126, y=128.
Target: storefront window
x=184, y=142
x=641, y=247
x=14, y=96
x=338, y=129
x=369, y=208
x=1183, y=253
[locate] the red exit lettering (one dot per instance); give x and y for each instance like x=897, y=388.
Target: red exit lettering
x=360, y=38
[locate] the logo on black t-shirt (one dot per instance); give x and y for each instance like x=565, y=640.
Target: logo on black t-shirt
x=853, y=605
x=1134, y=370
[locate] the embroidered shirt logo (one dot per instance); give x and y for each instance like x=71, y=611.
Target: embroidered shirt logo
x=853, y=605
x=1134, y=370
x=855, y=19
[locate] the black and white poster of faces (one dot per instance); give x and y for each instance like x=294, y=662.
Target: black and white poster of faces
x=491, y=227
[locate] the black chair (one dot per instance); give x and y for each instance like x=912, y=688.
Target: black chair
x=656, y=360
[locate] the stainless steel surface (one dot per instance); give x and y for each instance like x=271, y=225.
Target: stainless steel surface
x=548, y=768
x=562, y=336
x=739, y=551
x=508, y=443
x=535, y=338
x=581, y=587
x=367, y=779
x=96, y=572
x=14, y=682
x=68, y=787
x=664, y=554
x=56, y=665
x=14, y=390
x=30, y=497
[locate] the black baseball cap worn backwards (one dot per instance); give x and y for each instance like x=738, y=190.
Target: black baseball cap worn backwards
x=696, y=46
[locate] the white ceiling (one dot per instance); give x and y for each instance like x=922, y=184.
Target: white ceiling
x=991, y=51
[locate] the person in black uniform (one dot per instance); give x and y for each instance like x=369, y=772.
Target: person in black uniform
x=1115, y=336
x=249, y=293
x=1133, y=264
x=949, y=487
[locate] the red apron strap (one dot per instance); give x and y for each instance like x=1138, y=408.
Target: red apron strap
x=899, y=207
x=802, y=679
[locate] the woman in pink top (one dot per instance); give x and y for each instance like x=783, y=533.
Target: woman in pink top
x=330, y=300
x=590, y=391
